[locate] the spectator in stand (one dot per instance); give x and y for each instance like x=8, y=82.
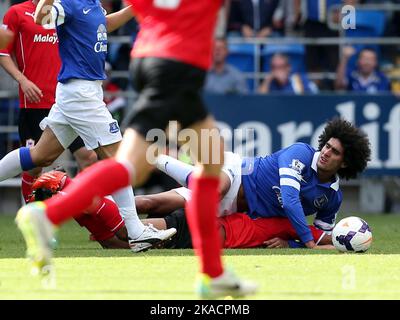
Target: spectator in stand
x=252, y=18
x=222, y=77
x=365, y=77
x=286, y=19
x=320, y=58
x=114, y=103
x=282, y=79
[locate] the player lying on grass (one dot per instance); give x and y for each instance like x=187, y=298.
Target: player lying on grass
x=237, y=230
x=294, y=182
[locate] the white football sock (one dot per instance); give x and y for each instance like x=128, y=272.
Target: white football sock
x=125, y=201
x=176, y=169
x=10, y=165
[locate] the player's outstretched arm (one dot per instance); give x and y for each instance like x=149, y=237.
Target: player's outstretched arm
x=119, y=18
x=313, y=245
x=6, y=37
x=326, y=242
x=43, y=12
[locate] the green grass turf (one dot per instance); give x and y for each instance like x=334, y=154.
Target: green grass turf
x=85, y=271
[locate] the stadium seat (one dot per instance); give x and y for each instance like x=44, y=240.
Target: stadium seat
x=368, y=24
x=242, y=56
x=296, y=53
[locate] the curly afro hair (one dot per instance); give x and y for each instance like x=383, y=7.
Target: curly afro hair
x=356, y=145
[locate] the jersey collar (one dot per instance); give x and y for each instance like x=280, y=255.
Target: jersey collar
x=335, y=184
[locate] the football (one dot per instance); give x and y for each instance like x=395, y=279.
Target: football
x=352, y=234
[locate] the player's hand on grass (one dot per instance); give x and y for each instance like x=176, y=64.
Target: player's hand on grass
x=31, y=91
x=313, y=245
x=276, y=243
x=325, y=247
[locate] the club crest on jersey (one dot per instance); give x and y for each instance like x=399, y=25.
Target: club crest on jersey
x=297, y=165
x=114, y=128
x=320, y=202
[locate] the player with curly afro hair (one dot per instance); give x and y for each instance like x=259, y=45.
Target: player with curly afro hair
x=356, y=145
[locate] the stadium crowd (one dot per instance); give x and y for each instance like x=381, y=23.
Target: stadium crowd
x=235, y=63
x=264, y=19
x=283, y=69
x=238, y=69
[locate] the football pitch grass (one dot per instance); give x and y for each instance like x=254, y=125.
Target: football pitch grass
x=85, y=271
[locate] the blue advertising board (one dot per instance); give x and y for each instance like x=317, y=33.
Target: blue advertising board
x=259, y=125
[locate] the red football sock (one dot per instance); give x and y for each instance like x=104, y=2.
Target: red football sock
x=201, y=212
x=26, y=185
x=101, y=179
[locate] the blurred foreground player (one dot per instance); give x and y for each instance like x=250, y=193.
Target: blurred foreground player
x=170, y=59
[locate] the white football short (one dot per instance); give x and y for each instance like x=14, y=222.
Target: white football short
x=80, y=111
x=233, y=169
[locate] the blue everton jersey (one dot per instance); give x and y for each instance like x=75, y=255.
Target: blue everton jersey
x=286, y=184
x=81, y=28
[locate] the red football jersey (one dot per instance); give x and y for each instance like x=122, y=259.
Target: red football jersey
x=180, y=30
x=36, y=53
x=243, y=232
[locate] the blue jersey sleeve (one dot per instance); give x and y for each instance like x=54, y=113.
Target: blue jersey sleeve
x=292, y=164
x=296, y=244
x=326, y=219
